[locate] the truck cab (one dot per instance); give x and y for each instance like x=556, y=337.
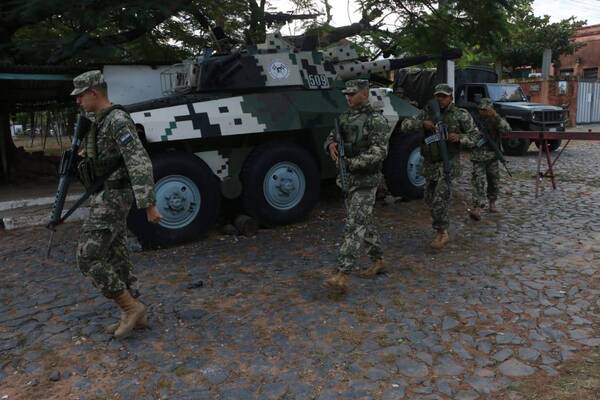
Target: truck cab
x=511, y=103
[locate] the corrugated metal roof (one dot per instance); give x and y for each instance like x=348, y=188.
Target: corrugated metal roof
x=42, y=69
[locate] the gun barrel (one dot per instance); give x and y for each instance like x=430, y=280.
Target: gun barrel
x=353, y=69
x=67, y=169
x=59, y=201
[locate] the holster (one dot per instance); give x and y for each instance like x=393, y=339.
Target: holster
x=86, y=172
x=90, y=170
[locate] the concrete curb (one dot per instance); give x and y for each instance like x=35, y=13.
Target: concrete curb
x=12, y=223
x=40, y=201
x=31, y=212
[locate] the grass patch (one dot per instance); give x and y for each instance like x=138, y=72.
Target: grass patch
x=578, y=380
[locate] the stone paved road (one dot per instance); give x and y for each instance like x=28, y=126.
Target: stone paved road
x=512, y=296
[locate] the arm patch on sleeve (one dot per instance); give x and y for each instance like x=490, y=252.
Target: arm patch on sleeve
x=125, y=137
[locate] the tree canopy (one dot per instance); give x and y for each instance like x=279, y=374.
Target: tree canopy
x=96, y=31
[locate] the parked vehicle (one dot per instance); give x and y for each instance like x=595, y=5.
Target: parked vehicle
x=249, y=124
x=512, y=104
x=476, y=82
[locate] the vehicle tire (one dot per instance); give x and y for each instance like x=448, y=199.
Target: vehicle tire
x=515, y=147
x=281, y=183
x=187, y=197
x=401, y=168
x=554, y=144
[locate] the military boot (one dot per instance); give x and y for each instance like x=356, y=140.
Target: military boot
x=493, y=208
x=377, y=267
x=135, y=313
x=337, y=282
x=141, y=324
x=440, y=239
x=475, y=213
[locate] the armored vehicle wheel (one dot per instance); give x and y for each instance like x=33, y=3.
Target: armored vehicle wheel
x=281, y=183
x=554, y=144
x=401, y=168
x=187, y=197
x=515, y=147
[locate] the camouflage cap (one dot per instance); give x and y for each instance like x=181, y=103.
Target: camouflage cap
x=484, y=103
x=443, y=88
x=86, y=80
x=356, y=85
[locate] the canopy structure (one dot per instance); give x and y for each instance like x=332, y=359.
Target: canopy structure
x=33, y=87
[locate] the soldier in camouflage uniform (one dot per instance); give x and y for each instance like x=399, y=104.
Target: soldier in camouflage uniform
x=485, y=161
x=366, y=134
x=461, y=130
x=112, y=143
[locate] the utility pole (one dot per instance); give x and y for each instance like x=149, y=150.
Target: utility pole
x=445, y=68
x=546, y=61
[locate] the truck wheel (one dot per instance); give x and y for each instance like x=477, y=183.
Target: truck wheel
x=403, y=164
x=554, y=144
x=515, y=147
x=281, y=183
x=187, y=197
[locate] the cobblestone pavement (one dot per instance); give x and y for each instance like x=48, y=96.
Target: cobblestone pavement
x=514, y=295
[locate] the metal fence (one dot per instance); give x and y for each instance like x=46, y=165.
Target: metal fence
x=588, y=102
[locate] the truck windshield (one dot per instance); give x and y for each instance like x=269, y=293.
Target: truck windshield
x=506, y=93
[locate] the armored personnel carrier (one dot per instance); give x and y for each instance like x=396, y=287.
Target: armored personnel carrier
x=249, y=125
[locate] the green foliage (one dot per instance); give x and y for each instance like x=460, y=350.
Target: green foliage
x=97, y=31
x=90, y=31
x=530, y=35
x=488, y=31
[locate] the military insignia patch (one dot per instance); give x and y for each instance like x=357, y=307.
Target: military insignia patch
x=125, y=138
x=279, y=70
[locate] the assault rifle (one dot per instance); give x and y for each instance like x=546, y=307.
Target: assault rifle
x=487, y=138
x=441, y=137
x=66, y=172
x=343, y=168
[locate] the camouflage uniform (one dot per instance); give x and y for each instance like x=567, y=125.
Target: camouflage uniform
x=366, y=134
x=485, y=163
x=437, y=192
x=102, y=253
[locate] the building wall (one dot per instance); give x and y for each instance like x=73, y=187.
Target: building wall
x=586, y=57
x=128, y=84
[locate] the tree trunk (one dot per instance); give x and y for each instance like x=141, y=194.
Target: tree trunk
x=7, y=146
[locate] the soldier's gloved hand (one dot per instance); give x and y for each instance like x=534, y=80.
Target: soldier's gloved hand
x=333, y=151
x=453, y=137
x=428, y=125
x=153, y=215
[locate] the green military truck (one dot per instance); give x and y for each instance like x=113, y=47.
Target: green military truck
x=476, y=82
x=522, y=115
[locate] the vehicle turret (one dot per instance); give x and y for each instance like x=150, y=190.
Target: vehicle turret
x=279, y=63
